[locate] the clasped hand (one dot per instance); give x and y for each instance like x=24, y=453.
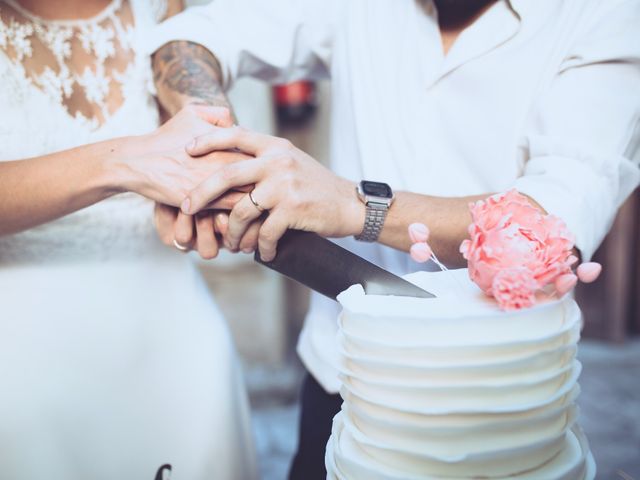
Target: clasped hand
x=289, y=190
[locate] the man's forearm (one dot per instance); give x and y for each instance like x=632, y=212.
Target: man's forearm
x=448, y=219
x=187, y=73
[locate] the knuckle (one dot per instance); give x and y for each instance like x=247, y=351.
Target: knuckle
x=267, y=236
x=225, y=115
x=286, y=162
x=289, y=182
x=228, y=173
x=201, y=143
x=283, y=144
x=182, y=192
x=241, y=213
x=237, y=131
x=296, y=200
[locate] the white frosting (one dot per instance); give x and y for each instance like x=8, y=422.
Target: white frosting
x=453, y=387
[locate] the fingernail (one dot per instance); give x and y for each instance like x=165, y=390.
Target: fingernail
x=222, y=219
x=186, y=206
x=247, y=250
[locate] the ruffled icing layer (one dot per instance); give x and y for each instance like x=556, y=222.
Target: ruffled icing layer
x=452, y=387
x=346, y=460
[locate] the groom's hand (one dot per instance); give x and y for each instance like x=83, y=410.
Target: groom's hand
x=195, y=232
x=297, y=191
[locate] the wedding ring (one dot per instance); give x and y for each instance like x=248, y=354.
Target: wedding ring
x=182, y=248
x=256, y=204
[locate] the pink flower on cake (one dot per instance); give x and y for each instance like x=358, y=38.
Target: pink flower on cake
x=514, y=288
x=515, y=249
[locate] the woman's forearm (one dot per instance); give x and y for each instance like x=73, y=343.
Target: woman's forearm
x=37, y=190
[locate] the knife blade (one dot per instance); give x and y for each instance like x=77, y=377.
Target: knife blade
x=330, y=269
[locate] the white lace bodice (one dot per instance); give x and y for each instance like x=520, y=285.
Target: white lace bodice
x=67, y=83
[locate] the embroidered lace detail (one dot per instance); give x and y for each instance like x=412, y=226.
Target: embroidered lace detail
x=81, y=65
x=61, y=81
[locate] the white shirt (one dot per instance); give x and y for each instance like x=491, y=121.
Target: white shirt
x=538, y=95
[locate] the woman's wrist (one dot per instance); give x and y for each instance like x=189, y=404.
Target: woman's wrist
x=119, y=174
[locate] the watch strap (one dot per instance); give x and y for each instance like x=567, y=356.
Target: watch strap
x=376, y=213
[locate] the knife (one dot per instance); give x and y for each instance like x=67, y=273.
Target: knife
x=330, y=269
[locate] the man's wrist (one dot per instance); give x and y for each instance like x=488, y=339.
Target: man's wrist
x=355, y=210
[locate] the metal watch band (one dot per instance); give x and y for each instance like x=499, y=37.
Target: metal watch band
x=373, y=222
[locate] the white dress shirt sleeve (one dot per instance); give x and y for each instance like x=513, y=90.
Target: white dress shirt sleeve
x=276, y=40
x=584, y=137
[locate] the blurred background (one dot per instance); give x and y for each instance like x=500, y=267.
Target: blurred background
x=265, y=311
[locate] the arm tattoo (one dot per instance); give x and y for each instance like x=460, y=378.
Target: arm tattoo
x=186, y=72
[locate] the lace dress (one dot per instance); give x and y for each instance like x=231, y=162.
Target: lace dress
x=114, y=360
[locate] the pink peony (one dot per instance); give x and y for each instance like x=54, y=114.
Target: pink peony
x=508, y=234
x=514, y=288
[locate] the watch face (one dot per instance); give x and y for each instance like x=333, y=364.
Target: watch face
x=376, y=189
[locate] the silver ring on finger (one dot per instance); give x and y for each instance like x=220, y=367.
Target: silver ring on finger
x=179, y=246
x=255, y=203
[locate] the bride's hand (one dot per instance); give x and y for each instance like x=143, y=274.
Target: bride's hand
x=163, y=170
x=157, y=166
x=204, y=232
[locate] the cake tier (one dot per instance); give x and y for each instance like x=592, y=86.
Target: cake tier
x=346, y=460
x=452, y=387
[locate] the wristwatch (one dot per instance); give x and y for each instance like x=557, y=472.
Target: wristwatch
x=377, y=197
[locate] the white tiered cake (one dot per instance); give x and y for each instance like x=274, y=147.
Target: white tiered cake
x=455, y=388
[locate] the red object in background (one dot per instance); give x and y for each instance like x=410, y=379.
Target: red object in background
x=295, y=102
